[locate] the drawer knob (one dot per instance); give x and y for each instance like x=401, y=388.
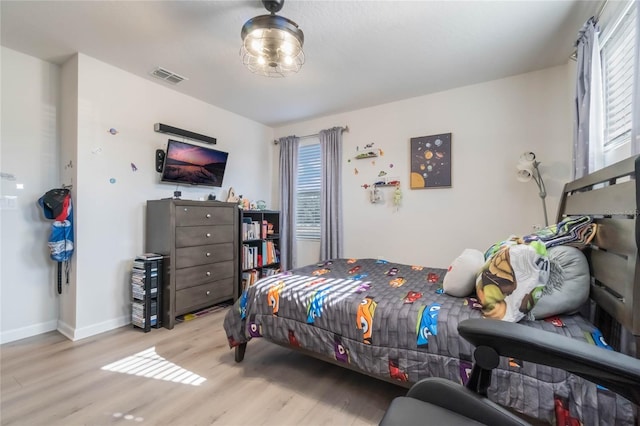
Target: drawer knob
x=208, y=215
x=208, y=235
x=208, y=254
x=208, y=292
x=208, y=273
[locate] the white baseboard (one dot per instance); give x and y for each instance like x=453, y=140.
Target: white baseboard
x=65, y=329
x=92, y=330
x=29, y=331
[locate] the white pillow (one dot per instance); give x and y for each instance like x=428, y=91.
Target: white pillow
x=460, y=280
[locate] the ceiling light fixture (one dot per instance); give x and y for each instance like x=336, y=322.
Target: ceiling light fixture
x=272, y=44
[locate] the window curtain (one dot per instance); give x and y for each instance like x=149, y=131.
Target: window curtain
x=331, y=245
x=588, y=129
x=288, y=176
x=635, y=106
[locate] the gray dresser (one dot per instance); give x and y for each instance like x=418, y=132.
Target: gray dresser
x=201, y=240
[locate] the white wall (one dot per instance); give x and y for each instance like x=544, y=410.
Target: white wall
x=492, y=124
x=109, y=217
x=67, y=165
x=29, y=151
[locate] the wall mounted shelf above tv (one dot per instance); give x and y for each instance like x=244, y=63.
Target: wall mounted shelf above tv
x=164, y=128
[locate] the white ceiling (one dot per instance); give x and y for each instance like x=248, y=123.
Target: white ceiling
x=358, y=53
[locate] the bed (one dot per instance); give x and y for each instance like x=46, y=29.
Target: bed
x=394, y=321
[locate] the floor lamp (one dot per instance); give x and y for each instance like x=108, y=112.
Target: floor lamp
x=527, y=170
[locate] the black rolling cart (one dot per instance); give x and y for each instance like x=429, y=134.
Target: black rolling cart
x=146, y=291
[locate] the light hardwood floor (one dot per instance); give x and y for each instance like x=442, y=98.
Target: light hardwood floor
x=48, y=380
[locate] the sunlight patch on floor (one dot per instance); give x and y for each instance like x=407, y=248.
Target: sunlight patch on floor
x=128, y=417
x=151, y=365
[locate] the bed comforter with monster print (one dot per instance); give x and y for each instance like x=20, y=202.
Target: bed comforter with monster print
x=393, y=321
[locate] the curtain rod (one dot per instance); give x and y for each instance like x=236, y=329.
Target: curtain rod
x=344, y=129
x=574, y=55
x=599, y=14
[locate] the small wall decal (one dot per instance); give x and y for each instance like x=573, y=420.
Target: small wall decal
x=113, y=131
x=112, y=180
x=8, y=176
x=355, y=171
x=133, y=168
x=97, y=150
x=69, y=165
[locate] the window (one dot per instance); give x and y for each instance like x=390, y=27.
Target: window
x=617, y=54
x=308, y=192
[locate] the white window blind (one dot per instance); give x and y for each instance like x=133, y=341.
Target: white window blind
x=308, y=192
x=617, y=53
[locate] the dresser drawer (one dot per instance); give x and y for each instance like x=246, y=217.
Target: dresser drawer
x=196, y=215
x=187, y=236
x=196, y=275
x=192, y=298
x=202, y=255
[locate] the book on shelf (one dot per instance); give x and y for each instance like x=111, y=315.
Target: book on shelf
x=249, y=278
x=250, y=229
x=267, y=272
x=265, y=254
x=149, y=256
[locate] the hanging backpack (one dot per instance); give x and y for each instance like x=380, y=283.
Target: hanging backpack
x=56, y=204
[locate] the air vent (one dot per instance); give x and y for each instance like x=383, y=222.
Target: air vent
x=168, y=76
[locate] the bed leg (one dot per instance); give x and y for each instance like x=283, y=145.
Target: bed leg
x=240, y=352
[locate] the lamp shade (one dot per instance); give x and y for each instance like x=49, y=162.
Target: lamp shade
x=272, y=46
x=528, y=157
x=524, y=173
x=525, y=166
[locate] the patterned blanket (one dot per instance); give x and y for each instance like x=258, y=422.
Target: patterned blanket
x=393, y=321
x=517, y=270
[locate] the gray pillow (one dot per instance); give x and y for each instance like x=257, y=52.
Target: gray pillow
x=568, y=286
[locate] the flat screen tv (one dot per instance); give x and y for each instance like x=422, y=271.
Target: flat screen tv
x=189, y=164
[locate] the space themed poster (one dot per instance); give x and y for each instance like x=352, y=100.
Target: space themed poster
x=431, y=161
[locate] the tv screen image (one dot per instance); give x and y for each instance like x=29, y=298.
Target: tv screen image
x=193, y=165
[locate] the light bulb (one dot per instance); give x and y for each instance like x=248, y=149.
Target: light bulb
x=261, y=60
x=256, y=45
x=286, y=48
x=288, y=60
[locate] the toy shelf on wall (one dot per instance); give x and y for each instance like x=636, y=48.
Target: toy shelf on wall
x=365, y=155
x=381, y=183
